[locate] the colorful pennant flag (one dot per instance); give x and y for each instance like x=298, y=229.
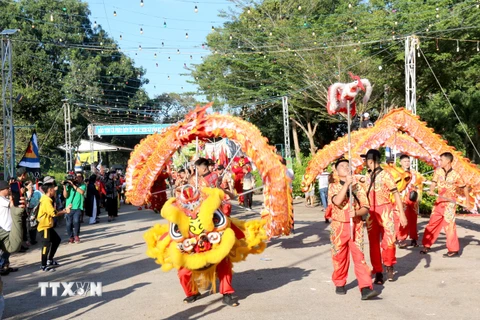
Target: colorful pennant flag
x=78, y=164
x=31, y=158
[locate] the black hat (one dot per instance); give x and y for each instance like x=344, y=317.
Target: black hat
x=340, y=161
x=220, y=167
x=4, y=185
x=373, y=154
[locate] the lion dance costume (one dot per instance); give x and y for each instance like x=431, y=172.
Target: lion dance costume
x=200, y=239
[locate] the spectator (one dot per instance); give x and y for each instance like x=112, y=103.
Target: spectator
x=309, y=195
x=366, y=123
x=33, y=200
x=111, y=190
x=74, y=193
x=323, y=190
x=248, y=186
x=10, y=218
x=51, y=240
x=17, y=190
x=92, y=203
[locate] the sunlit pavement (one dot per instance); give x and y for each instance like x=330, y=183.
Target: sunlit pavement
x=290, y=280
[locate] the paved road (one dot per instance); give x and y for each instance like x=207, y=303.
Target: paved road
x=290, y=280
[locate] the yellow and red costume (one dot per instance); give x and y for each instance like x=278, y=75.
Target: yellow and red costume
x=202, y=241
x=237, y=169
x=380, y=222
x=402, y=179
x=411, y=207
x=341, y=243
x=443, y=213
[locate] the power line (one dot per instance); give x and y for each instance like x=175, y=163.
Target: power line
x=451, y=106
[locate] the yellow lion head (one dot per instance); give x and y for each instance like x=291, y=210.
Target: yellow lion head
x=200, y=232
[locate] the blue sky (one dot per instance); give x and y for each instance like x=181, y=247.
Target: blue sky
x=180, y=19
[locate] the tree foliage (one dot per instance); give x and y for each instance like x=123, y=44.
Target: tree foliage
x=277, y=48
x=59, y=54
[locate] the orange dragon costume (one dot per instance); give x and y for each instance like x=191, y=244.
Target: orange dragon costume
x=200, y=240
x=408, y=134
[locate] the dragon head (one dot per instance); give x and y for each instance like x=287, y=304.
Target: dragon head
x=357, y=81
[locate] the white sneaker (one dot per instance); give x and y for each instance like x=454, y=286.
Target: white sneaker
x=53, y=263
x=47, y=269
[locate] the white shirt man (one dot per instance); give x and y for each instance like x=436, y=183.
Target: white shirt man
x=5, y=215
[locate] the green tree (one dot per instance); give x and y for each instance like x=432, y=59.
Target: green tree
x=298, y=48
x=58, y=54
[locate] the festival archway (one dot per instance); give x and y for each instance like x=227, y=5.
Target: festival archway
x=153, y=153
x=409, y=135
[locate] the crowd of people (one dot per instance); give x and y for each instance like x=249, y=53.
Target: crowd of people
x=46, y=200
x=236, y=180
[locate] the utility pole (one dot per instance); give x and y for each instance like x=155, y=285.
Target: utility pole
x=68, y=135
x=411, y=46
x=7, y=105
x=286, y=131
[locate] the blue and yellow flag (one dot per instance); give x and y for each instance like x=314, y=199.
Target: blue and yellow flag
x=78, y=164
x=31, y=158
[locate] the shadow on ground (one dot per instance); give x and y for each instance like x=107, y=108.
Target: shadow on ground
x=264, y=279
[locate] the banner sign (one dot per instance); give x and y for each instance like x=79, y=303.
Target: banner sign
x=126, y=129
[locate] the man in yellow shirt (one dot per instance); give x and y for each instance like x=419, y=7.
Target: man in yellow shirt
x=46, y=213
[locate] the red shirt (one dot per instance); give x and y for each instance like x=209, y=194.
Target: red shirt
x=447, y=183
x=379, y=191
x=340, y=213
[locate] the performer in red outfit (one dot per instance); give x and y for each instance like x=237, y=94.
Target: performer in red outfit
x=410, y=206
x=380, y=223
x=158, y=199
x=224, y=268
x=342, y=244
x=237, y=169
x=224, y=274
x=447, y=181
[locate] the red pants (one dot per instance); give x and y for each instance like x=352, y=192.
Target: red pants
x=224, y=274
x=238, y=185
x=411, y=228
x=381, y=230
x=443, y=216
x=400, y=232
x=342, y=246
